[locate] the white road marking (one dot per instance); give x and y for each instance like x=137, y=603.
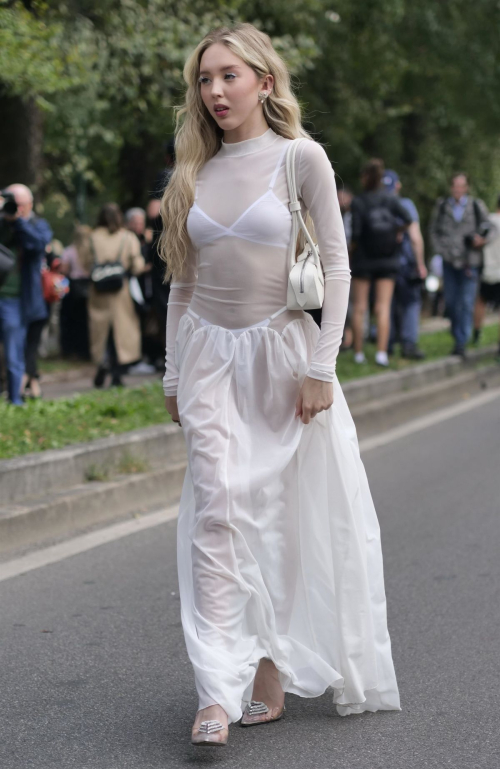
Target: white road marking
x=434, y=418
x=84, y=542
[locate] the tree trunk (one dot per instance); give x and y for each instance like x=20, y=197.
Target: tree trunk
x=138, y=167
x=412, y=134
x=21, y=137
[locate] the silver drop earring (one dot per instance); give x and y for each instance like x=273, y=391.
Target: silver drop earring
x=262, y=96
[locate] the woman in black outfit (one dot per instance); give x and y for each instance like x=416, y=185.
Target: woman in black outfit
x=378, y=221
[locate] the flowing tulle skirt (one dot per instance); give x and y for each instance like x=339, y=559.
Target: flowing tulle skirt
x=279, y=552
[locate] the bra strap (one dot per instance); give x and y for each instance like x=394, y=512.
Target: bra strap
x=276, y=170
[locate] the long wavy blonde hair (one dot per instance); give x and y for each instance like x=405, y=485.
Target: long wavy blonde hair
x=198, y=137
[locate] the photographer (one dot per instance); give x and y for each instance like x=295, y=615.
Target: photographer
x=459, y=230
x=23, y=311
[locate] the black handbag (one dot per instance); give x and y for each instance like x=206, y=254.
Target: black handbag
x=108, y=277
x=79, y=289
x=7, y=262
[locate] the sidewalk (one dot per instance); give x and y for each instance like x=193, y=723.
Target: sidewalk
x=64, y=384
x=429, y=325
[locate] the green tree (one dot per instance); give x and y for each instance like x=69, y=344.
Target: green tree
x=104, y=77
x=413, y=83
x=87, y=88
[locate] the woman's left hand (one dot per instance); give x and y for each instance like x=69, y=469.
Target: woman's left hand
x=314, y=396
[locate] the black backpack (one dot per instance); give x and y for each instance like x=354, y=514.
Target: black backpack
x=380, y=228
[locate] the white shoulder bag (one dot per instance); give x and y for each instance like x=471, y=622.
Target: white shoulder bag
x=306, y=282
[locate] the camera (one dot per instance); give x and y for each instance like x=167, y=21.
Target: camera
x=483, y=231
x=8, y=203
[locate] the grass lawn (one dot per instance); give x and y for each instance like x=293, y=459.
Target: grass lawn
x=41, y=425
x=48, y=424
x=436, y=345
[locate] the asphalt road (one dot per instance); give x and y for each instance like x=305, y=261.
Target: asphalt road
x=94, y=674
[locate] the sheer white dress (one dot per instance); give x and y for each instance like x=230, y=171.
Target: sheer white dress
x=279, y=552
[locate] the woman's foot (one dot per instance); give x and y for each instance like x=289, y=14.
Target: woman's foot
x=25, y=385
x=268, y=698
x=381, y=358
x=210, y=727
x=36, y=390
x=100, y=376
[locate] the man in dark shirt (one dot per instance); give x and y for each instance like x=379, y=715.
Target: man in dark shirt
x=458, y=234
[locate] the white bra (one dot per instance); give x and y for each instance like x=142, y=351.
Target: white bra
x=267, y=221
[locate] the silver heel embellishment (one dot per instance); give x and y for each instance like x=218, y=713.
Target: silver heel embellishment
x=207, y=727
x=255, y=711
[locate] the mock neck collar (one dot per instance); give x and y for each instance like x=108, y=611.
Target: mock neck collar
x=249, y=146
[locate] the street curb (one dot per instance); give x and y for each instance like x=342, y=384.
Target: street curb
x=56, y=469
x=380, y=385
x=382, y=414
x=79, y=508
x=48, y=494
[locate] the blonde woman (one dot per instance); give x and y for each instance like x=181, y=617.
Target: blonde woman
x=280, y=565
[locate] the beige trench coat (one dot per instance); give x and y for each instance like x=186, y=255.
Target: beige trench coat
x=115, y=311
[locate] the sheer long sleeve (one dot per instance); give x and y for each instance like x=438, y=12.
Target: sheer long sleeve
x=181, y=291
x=318, y=191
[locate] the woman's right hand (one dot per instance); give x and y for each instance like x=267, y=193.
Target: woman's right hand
x=171, y=406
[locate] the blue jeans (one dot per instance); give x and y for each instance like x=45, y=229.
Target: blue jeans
x=460, y=287
x=13, y=334
x=405, y=313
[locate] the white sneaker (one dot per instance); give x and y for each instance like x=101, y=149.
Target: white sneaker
x=359, y=357
x=381, y=358
x=141, y=369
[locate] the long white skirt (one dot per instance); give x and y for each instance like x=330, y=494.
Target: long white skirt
x=279, y=551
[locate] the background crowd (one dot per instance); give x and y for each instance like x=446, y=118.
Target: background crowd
x=106, y=288
x=389, y=269
x=87, y=96
x=104, y=291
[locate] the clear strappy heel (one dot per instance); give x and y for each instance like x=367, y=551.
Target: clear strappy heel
x=208, y=734
x=258, y=713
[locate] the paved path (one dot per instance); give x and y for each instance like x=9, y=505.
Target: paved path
x=64, y=384
x=55, y=387
x=94, y=674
